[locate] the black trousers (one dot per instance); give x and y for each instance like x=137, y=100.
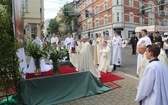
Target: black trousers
x=133, y=49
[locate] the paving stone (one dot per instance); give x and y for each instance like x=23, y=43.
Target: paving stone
x=120, y=96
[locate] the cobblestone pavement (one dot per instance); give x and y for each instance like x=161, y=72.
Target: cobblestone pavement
x=120, y=96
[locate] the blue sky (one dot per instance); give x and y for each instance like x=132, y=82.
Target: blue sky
x=51, y=7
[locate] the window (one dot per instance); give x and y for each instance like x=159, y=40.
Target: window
x=118, y=18
x=105, y=5
x=89, y=24
x=33, y=32
x=84, y=26
x=117, y=2
x=105, y=20
x=96, y=10
x=96, y=22
x=25, y=5
x=141, y=21
x=83, y=6
x=151, y=4
x=89, y=2
x=140, y=4
x=131, y=16
x=131, y=3
x=83, y=16
x=150, y=21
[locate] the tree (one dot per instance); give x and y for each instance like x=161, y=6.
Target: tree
x=67, y=20
x=9, y=64
x=54, y=26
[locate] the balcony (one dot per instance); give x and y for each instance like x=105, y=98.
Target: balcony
x=117, y=25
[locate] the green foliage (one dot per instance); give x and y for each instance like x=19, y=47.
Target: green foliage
x=47, y=48
x=54, y=26
x=58, y=54
x=36, y=51
x=6, y=25
x=67, y=20
x=9, y=64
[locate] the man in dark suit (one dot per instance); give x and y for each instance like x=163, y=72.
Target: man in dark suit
x=158, y=38
x=134, y=40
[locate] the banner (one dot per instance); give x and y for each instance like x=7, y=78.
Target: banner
x=17, y=19
x=152, y=28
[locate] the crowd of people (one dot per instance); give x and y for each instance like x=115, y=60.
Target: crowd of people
x=96, y=57
x=152, y=62
x=152, y=69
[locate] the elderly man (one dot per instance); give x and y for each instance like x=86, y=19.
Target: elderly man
x=86, y=62
x=153, y=87
x=146, y=40
x=144, y=62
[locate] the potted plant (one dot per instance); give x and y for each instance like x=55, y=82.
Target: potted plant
x=37, y=52
x=56, y=56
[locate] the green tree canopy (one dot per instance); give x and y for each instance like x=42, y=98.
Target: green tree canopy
x=67, y=19
x=54, y=26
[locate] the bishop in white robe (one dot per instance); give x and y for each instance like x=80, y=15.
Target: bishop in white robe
x=153, y=87
x=105, y=58
x=86, y=62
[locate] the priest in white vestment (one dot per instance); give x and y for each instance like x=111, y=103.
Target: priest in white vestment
x=119, y=62
x=146, y=40
x=116, y=44
x=105, y=58
x=69, y=41
x=86, y=62
x=144, y=61
x=153, y=87
x=97, y=48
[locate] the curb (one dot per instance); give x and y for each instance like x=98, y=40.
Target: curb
x=125, y=74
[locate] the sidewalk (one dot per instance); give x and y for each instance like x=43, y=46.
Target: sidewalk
x=120, y=96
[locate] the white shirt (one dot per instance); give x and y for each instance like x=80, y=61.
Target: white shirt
x=38, y=42
x=153, y=87
x=69, y=40
x=54, y=39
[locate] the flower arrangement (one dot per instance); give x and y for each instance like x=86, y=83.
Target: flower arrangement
x=37, y=52
x=56, y=56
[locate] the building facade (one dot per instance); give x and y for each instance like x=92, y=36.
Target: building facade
x=120, y=15
x=46, y=27
x=33, y=17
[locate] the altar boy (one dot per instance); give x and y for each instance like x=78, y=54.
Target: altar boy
x=153, y=87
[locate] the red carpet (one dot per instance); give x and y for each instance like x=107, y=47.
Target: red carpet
x=105, y=77
x=109, y=77
x=67, y=69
